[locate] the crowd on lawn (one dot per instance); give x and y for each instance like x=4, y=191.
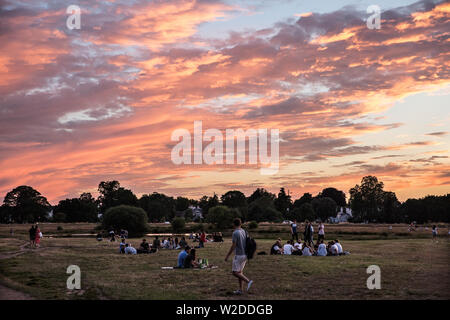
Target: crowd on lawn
x=308, y=247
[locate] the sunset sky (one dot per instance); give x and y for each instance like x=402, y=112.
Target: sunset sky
x=100, y=103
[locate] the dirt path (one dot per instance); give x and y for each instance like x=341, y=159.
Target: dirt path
x=8, y=293
x=11, y=294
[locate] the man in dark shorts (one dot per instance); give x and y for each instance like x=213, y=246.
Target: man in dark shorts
x=294, y=230
x=239, y=239
x=32, y=233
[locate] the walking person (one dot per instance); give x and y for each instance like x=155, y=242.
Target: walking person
x=294, y=231
x=38, y=237
x=239, y=239
x=434, y=231
x=32, y=233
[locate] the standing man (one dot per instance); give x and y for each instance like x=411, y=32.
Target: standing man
x=32, y=233
x=294, y=230
x=239, y=239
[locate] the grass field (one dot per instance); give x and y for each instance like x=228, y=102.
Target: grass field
x=412, y=267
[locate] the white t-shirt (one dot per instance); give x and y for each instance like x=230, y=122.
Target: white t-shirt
x=322, y=251
x=334, y=249
x=130, y=250
x=298, y=246
x=287, y=249
x=321, y=229
x=276, y=248
x=338, y=245
x=306, y=252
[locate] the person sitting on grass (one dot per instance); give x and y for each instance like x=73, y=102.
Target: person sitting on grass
x=190, y=260
x=156, y=244
x=298, y=245
x=339, y=246
x=288, y=248
x=182, y=243
x=129, y=249
x=276, y=248
x=99, y=237
x=144, y=247
x=182, y=256
x=322, y=250
x=122, y=246
x=307, y=250
x=112, y=236
x=333, y=249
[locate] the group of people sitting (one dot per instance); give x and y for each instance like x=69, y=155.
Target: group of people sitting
x=146, y=247
x=308, y=248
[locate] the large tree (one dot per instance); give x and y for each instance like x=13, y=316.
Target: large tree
x=305, y=198
x=263, y=209
x=222, y=217
x=259, y=193
x=235, y=199
x=82, y=209
x=369, y=202
x=337, y=195
x=158, y=206
x=112, y=194
x=25, y=204
x=324, y=208
x=283, y=203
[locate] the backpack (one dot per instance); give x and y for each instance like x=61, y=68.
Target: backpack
x=250, y=246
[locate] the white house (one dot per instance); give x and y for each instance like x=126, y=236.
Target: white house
x=197, y=213
x=342, y=216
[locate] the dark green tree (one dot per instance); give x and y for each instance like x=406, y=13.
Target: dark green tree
x=305, y=198
x=335, y=194
x=125, y=217
x=324, y=208
x=222, y=217
x=158, y=206
x=112, y=195
x=24, y=204
x=283, y=203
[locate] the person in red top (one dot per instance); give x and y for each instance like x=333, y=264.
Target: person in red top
x=202, y=239
x=37, y=241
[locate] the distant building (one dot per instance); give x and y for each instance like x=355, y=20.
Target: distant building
x=342, y=216
x=197, y=213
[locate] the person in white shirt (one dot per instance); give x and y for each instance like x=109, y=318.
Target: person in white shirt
x=339, y=246
x=321, y=232
x=129, y=249
x=288, y=248
x=306, y=250
x=297, y=246
x=322, y=250
x=334, y=251
x=276, y=248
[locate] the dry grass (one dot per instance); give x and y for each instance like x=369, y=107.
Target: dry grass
x=410, y=269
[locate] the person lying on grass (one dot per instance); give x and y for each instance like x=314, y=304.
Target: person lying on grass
x=129, y=249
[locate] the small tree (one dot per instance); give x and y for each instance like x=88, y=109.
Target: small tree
x=178, y=224
x=125, y=217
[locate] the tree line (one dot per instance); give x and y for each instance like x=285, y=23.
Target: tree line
x=368, y=200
